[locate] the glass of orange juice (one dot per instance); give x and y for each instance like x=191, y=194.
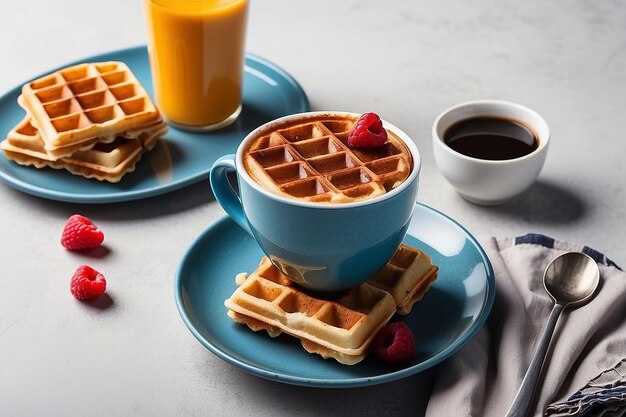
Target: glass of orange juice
x=196, y=50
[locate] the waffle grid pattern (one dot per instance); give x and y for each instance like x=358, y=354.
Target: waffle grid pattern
x=312, y=161
x=341, y=329
x=103, y=161
x=78, y=103
x=407, y=276
x=344, y=325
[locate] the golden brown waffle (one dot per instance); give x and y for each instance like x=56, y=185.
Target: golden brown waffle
x=310, y=160
x=72, y=106
x=344, y=327
x=104, y=161
x=407, y=276
x=259, y=302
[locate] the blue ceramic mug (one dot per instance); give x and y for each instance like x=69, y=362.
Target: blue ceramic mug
x=322, y=247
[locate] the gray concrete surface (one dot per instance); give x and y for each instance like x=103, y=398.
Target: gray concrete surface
x=407, y=60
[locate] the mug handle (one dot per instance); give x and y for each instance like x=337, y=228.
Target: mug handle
x=224, y=192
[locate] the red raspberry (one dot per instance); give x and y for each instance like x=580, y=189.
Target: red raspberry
x=394, y=343
x=87, y=283
x=81, y=233
x=368, y=132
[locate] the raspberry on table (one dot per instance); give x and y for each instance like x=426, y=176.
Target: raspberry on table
x=394, y=343
x=368, y=132
x=80, y=233
x=87, y=283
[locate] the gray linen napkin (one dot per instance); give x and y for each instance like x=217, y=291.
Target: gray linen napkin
x=584, y=373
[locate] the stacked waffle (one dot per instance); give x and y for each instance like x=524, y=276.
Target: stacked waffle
x=341, y=328
x=310, y=160
x=94, y=120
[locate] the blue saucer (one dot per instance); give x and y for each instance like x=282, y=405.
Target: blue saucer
x=181, y=158
x=450, y=314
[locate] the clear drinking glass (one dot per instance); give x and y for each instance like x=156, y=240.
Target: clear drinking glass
x=196, y=50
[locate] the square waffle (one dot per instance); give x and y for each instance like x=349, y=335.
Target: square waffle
x=78, y=103
x=311, y=160
x=103, y=161
x=343, y=328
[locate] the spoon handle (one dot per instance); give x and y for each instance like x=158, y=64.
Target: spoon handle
x=524, y=396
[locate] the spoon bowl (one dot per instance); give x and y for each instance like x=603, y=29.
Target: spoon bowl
x=571, y=279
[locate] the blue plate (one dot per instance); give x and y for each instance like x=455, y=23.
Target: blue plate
x=449, y=315
x=180, y=159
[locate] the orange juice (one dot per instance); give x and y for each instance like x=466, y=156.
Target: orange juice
x=196, y=52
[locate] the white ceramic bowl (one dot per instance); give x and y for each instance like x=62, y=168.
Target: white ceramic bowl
x=483, y=181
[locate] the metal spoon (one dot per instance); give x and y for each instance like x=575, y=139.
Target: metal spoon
x=570, y=280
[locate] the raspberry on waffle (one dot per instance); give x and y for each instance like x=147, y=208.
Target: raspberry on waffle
x=343, y=328
x=103, y=161
x=76, y=104
x=309, y=159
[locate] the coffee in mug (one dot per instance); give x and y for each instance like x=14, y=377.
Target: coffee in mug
x=490, y=150
x=492, y=138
